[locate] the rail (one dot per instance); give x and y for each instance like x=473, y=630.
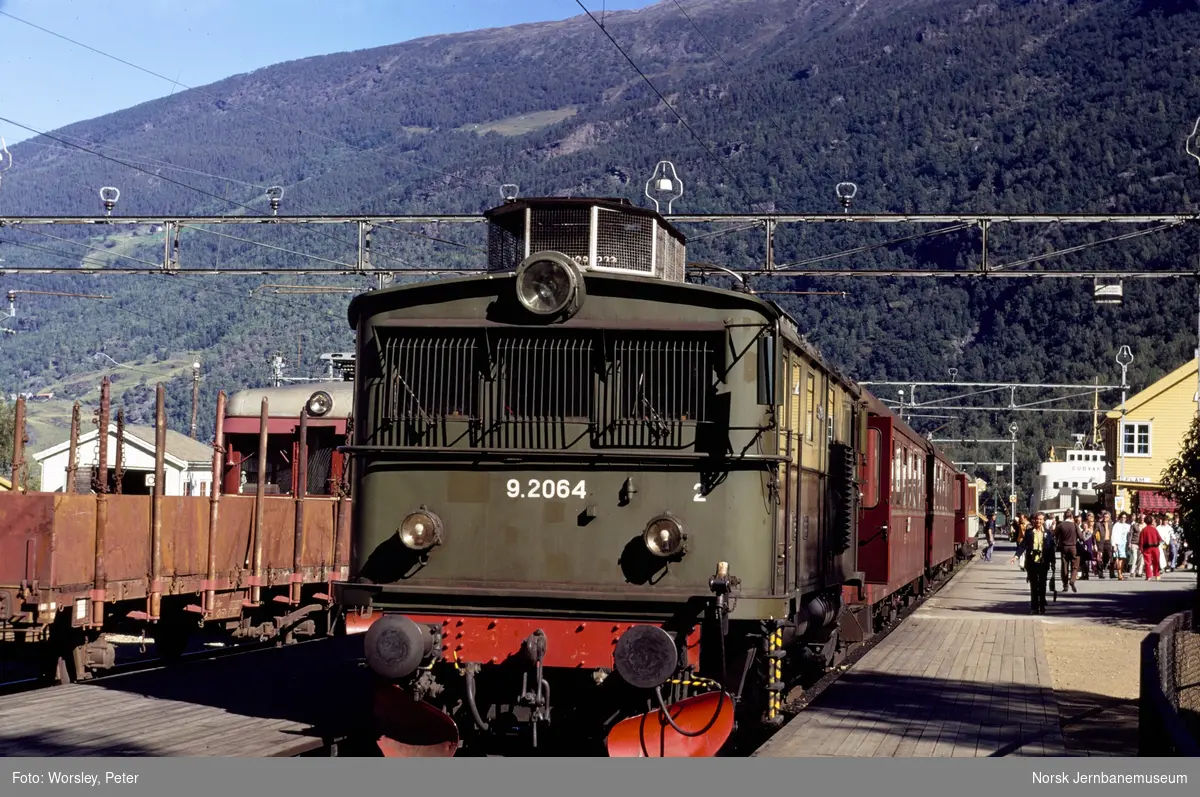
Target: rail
x=1169, y=705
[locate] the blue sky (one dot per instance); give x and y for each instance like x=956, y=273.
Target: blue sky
x=46, y=82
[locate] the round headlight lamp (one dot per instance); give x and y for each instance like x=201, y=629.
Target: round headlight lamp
x=548, y=283
x=421, y=530
x=664, y=537
x=319, y=403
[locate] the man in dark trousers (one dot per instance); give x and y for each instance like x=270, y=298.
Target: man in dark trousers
x=989, y=529
x=1038, y=547
x=1067, y=540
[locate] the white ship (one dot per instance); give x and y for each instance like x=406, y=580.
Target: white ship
x=1070, y=482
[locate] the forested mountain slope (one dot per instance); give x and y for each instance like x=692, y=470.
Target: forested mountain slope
x=929, y=106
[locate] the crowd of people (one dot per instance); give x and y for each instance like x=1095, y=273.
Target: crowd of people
x=1087, y=546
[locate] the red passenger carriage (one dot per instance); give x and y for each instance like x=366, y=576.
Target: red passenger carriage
x=906, y=532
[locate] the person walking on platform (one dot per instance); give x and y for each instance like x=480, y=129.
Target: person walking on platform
x=1067, y=541
x=1151, y=542
x=1087, y=546
x=1107, y=563
x=1135, y=545
x=1038, y=549
x=1120, y=545
x=1021, y=527
x=1171, y=538
x=989, y=531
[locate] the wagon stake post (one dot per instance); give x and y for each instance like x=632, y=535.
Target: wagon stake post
x=260, y=490
x=101, y=486
x=18, y=451
x=119, y=468
x=73, y=452
x=156, y=510
x=210, y=584
x=301, y=490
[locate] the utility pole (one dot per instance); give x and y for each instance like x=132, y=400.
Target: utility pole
x=1012, y=474
x=195, y=395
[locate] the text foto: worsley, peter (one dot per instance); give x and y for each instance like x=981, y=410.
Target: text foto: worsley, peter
x=74, y=778
x=1107, y=777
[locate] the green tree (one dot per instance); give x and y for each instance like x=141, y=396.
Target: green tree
x=7, y=422
x=1181, y=483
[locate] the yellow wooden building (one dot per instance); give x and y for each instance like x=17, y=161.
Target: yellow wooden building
x=1141, y=441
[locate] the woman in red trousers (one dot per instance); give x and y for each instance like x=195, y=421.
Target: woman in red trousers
x=1149, y=542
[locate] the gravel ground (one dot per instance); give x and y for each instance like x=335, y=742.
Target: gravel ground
x=1093, y=644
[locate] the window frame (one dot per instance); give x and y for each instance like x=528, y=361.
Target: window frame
x=1136, y=427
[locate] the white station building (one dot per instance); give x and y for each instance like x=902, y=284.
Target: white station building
x=187, y=463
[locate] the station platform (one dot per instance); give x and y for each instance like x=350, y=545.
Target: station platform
x=288, y=701
x=972, y=674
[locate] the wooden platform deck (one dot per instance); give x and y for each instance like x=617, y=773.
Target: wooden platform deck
x=968, y=675
x=955, y=679
x=267, y=703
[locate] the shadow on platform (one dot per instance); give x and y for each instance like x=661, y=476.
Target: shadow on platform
x=317, y=685
x=919, y=717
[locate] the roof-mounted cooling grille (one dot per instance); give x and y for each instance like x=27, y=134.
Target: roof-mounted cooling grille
x=597, y=234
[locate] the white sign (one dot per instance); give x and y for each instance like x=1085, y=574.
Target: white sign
x=149, y=479
x=546, y=488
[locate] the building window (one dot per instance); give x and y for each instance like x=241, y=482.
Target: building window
x=1055, y=485
x=1135, y=439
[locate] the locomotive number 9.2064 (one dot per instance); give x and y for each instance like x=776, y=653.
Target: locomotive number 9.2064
x=546, y=488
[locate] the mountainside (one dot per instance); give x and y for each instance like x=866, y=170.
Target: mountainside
x=927, y=105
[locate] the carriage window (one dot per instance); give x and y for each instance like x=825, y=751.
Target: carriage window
x=874, y=470
x=897, y=478
x=829, y=406
x=810, y=400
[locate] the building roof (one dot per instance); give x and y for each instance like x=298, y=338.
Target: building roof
x=178, y=444
x=1182, y=373
x=181, y=449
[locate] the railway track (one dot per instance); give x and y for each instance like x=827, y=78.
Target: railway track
x=17, y=685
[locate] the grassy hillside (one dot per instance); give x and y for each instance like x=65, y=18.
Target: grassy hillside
x=928, y=105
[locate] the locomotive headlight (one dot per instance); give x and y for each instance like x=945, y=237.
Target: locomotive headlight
x=421, y=530
x=664, y=536
x=319, y=403
x=547, y=283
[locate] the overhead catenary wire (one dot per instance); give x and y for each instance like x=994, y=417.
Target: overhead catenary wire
x=736, y=182
x=93, y=248
x=53, y=137
x=384, y=254
x=273, y=120
x=147, y=161
x=753, y=94
x=870, y=247
x=135, y=167
x=267, y=246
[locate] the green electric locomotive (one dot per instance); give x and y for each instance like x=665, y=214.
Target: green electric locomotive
x=593, y=502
